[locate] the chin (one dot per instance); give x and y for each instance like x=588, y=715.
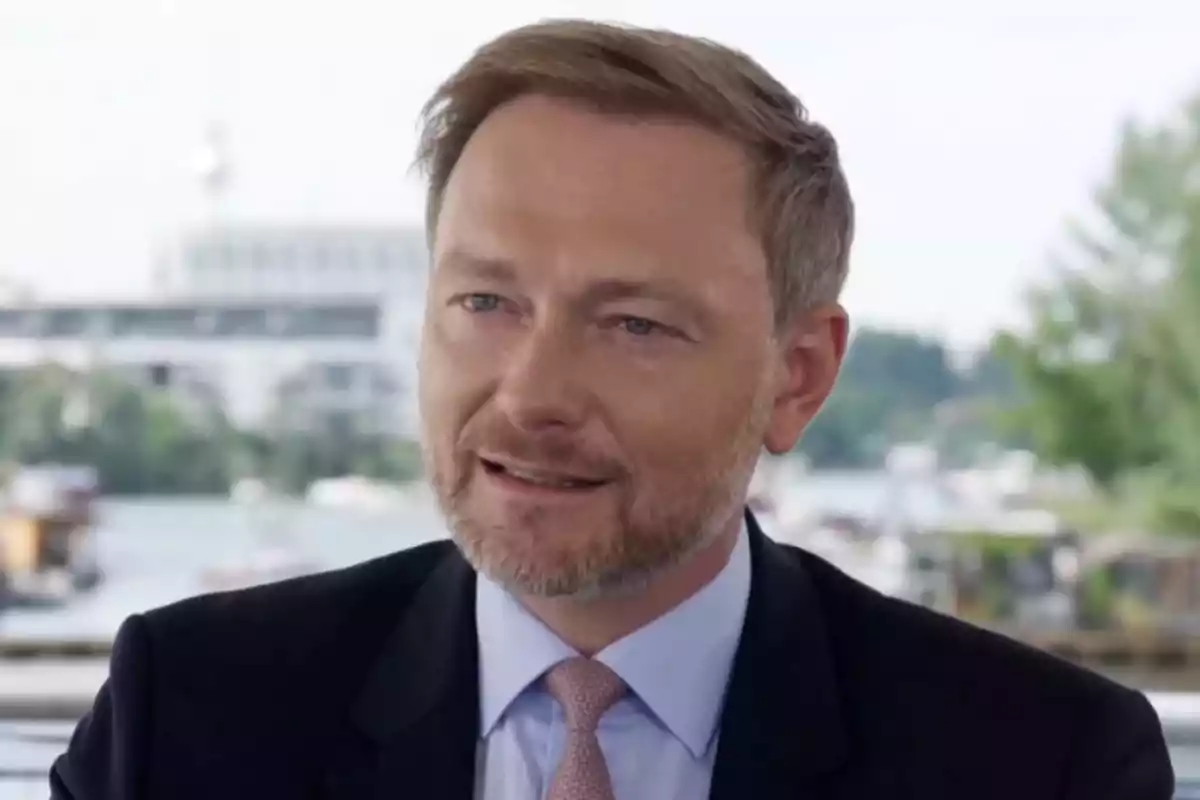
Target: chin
x=579, y=575
x=530, y=562
x=573, y=585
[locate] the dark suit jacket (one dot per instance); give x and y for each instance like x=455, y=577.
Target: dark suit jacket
x=362, y=684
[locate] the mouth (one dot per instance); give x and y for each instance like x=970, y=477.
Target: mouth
x=535, y=478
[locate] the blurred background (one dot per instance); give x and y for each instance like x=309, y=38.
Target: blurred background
x=212, y=274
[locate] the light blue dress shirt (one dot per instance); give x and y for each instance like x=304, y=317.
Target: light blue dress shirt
x=659, y=742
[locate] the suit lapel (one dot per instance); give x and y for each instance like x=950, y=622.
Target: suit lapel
x=416, y=722
x=782, y=731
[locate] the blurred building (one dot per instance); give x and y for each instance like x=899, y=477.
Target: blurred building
x=259, y=261
x=265, y=362
x=384, y=265
x=300, y=326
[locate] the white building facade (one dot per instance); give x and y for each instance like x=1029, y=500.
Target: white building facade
x=316, y=262
x=307, y=320
x=256, y=359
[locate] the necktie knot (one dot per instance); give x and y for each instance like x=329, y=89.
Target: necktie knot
x=585, y=689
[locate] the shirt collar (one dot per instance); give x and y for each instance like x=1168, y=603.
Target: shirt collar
x=515, y=648
x=678, y=665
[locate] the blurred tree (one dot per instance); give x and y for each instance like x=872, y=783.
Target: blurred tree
x=292, y=458
x=1111, y=365
x=138, y=439
x=888, y=389
x=145, y=440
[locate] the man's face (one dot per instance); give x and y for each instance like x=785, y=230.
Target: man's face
x=598, y=369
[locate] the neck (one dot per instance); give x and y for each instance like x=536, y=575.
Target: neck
x=590, y=626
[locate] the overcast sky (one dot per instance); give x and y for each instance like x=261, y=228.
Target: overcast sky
x=970, y=131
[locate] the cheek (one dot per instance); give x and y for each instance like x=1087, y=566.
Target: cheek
x=688, y=434
x=451, y=366
x=443, y=399
x=456, y=371
x=453, y=385
x=665, y=439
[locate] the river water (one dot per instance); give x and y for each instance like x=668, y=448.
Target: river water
x=155, y=552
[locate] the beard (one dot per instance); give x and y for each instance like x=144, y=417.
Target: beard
x=650, y=523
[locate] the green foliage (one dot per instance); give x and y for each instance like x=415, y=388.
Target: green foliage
x=898, y=387
x=138, y=440
x=887, y=390
x=293, y=459
x=143, y=441
x=1111, y=366
x=1097, y=600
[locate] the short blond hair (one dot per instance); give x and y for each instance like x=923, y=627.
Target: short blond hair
x=802, y=202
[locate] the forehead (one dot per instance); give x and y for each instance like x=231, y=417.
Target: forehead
x=544, y=180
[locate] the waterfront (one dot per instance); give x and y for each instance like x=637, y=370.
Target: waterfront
x=155, y=552
x=158, y=551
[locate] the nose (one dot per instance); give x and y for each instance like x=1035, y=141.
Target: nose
x=540, y=388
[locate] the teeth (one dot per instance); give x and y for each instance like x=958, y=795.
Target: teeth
x=542, y=479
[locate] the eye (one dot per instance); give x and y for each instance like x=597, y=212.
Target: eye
x=640, y=326
x=480, y=302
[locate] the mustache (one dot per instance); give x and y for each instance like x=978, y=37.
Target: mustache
x=553, y=451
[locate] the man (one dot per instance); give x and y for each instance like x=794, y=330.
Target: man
x=638, y=245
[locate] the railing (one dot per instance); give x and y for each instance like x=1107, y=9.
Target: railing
x=17, y=649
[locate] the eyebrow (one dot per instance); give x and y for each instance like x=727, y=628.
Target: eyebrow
x=496, y=269
x=610, y=289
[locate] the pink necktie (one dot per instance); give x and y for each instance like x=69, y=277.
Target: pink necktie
x=585, y=689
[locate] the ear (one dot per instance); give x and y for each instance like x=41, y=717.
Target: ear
x=811, y=350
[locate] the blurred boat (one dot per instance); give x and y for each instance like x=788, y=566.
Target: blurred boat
x=249, y=490
x=47, y=534
x=357, y=493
